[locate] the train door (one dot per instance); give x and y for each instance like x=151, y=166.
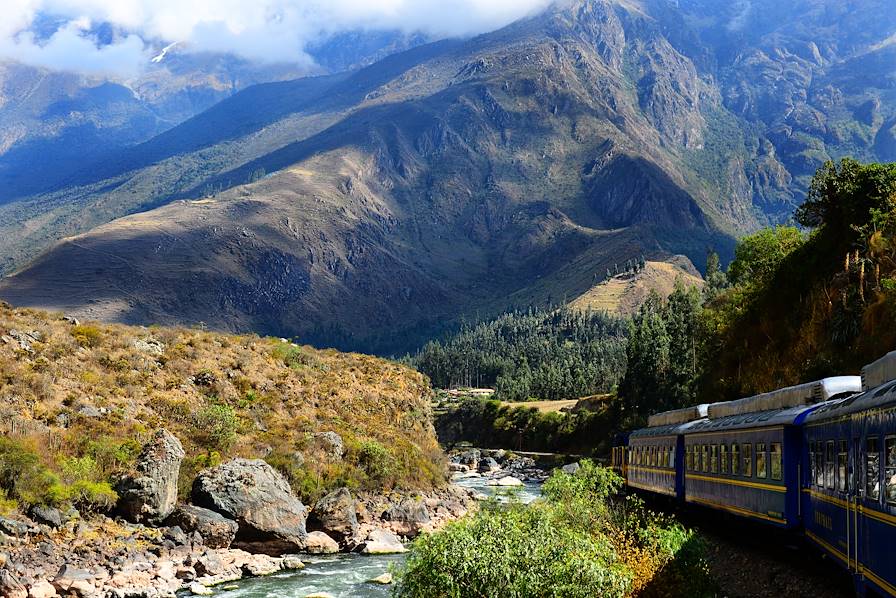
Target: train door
x=854, y=492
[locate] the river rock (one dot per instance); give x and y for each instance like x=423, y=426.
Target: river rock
x=384, y=579
x=505, y=481
x=216, y=531
x=197, y=589
x=270, y=518
x=10, y=586
x=570, y=468
x=320, y=543
x=336, y=515
x=488, y=465
x=380, y=541
x=292, y=562
x=151, y=494
x=470, y=457
x=259, y=565
x=408, y=517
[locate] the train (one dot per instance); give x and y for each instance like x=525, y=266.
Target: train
x=818, y=459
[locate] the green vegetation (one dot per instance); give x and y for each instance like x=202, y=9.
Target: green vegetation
x=582, y=539
x=545, y=354
x=490, y=423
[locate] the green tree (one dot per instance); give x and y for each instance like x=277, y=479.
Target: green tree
x=758, y=256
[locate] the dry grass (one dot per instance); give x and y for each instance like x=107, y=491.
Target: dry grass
x=222, y=395
x=544, y=406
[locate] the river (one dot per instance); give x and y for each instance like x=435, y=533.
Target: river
x=347, y=575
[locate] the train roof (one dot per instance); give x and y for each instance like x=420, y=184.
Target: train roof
x=667, y=430
x=757, y=419
x=784, y=398
x=677, y=416
x=879, y=372
x=877, y=398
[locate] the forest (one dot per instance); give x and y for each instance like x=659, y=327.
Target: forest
x=545, y=353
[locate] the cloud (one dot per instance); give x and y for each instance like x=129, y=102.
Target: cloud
x=268, y=30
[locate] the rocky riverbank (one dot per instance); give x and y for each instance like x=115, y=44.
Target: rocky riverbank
x=243, y=520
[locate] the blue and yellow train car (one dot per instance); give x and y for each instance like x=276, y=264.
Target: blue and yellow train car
x=849, y=484
x=746, y=464
x=652, y=460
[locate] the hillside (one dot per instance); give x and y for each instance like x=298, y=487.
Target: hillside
x=459, y=179
x=623, y=294
x=73, y=390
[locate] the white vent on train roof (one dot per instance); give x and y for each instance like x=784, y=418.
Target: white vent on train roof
x=880, y=372
x=792, y=396
x=677, y=416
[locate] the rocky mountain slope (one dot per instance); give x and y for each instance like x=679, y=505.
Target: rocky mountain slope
x=371, y=209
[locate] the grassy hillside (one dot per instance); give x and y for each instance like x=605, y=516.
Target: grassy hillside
x=624, y=294
x=87, y=395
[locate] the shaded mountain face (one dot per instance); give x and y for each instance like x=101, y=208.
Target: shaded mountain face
x=369, y=210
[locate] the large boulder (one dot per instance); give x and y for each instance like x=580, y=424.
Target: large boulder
x=320, y=543
x=380, y=541
x=150, y=495
x=216, y=530
x=408, y=517
x=270, y=519
x=336, y=515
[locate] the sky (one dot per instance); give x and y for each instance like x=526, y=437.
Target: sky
x=265, y=30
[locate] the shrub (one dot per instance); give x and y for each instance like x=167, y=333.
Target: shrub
x=518, y=551
x=91, y=497
x=87, y=336
x=376, y=461
x=580, y=540
x=216, y=426
x=24, y=478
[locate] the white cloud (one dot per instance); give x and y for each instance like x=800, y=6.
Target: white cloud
x=271, y=30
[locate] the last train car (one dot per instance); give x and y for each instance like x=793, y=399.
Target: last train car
x=745, y=457
x=849, y=481
x=654, y=457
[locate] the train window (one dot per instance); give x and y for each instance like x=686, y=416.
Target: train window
x=819, y=464
x=723, y=458
x=872, y=468
x=671, y=461
x=890, y=468
x=714, y=458
x=812, y=462
x=748, y=459
x=829, y=465
x=775, y=461
x=735, y=459
x=705, y=452
x=690, y=454
x=760, y=461
x=841, y=467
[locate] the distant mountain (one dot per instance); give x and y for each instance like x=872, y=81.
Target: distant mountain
x=372, y=209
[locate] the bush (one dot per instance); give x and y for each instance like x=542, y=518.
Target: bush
x=216, y=426
x=87, y=336
x=580, y=540
x=376, y=461
x=518, y=551
x=24, y=478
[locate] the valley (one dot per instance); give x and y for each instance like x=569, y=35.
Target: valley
x=320, y=300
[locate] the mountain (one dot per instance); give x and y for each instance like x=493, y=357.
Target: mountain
x=375, y=208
